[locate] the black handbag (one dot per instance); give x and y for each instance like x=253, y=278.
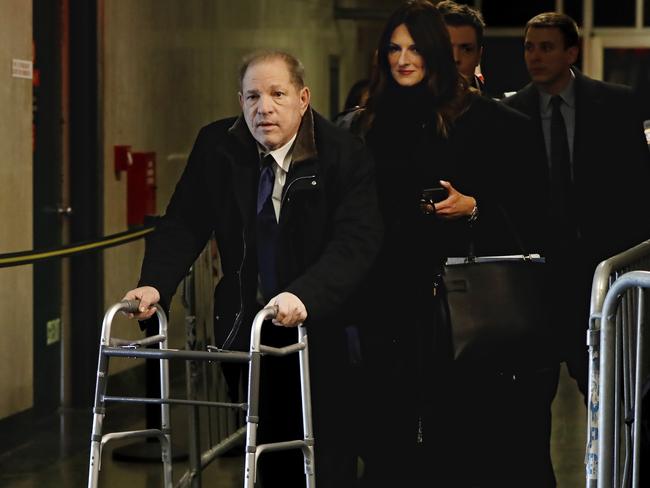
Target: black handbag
x=497, y=309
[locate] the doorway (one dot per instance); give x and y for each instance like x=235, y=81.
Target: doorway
x=50, y=211
x=68, y=181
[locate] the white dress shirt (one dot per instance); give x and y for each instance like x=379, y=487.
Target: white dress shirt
x=282, y=157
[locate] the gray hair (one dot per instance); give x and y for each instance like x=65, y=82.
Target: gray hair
x=295, y=67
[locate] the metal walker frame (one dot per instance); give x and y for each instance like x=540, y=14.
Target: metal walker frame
x=114, y=347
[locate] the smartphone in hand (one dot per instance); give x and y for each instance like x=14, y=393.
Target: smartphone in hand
x=434, y=195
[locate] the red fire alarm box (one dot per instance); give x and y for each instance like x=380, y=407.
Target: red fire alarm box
x=122, y=159
x=141, y=188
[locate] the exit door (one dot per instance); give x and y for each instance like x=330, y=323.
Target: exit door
x=50, y=210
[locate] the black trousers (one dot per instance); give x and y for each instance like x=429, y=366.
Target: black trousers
x=405, y=398
x=502, y=428
x=433, y=424
x=570, y=296
x=281, y=418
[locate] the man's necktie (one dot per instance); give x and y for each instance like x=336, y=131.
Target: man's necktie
x=560, y=164
x=267, y=229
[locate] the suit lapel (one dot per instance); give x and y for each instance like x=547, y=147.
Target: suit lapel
x=588, y=114
x=245, y=161
x=530, y=102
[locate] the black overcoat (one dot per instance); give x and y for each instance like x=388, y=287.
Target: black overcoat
x=329, y=234
x=330, y=229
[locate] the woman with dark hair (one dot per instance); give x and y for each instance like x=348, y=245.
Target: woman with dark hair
x=448, y=161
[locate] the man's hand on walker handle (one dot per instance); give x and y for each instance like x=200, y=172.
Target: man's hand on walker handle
x=147, y=296
x=291, y=311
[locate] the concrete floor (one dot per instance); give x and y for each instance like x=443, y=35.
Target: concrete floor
x=569, y=430
x=58, y=457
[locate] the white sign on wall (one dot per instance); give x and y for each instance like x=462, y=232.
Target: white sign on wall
x=21, y=68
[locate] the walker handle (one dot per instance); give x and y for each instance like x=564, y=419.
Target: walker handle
x=130, y=306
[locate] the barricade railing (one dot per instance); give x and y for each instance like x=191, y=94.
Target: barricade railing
x=606, y=274
x=621, y=379
x=217, y=431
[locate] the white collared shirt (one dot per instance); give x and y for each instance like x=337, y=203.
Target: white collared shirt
x=282, y=156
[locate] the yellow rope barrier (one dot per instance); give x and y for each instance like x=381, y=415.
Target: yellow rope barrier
x=29, y=257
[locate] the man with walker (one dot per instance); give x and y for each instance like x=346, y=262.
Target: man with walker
x=291, y=201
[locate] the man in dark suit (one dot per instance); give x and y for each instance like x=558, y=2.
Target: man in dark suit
x=598, y=166
x=291, y=201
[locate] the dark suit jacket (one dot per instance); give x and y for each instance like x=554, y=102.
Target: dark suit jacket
x=611, y=165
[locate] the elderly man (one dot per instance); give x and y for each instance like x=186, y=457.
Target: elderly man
x=291, y=201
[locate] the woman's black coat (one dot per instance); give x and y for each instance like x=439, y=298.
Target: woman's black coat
x=408, y=373
x=489, y=154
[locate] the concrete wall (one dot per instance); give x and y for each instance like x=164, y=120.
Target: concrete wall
x=15, y=209
x=170, y=67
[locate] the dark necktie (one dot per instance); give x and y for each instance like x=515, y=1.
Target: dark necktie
x=267, y=229
x=560, y=164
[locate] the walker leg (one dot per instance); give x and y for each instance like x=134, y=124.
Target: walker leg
x=252, y=420
x=305, y=396
x=165, y=420
x=99, y=411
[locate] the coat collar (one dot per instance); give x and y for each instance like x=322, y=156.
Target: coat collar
x=588, y=96
x=583, y=90
x=589, y=114
x=530, y=99
x=304, y=147
x=587, y=103
x=246, y=164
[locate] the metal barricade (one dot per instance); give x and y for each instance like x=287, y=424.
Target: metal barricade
x=217, y=431
x=607, y=273
x=617, y=363
x=113, y=347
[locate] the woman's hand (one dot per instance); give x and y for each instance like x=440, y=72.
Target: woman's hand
x=456, y=205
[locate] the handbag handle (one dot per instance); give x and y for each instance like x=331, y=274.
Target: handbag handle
x=471, y=252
